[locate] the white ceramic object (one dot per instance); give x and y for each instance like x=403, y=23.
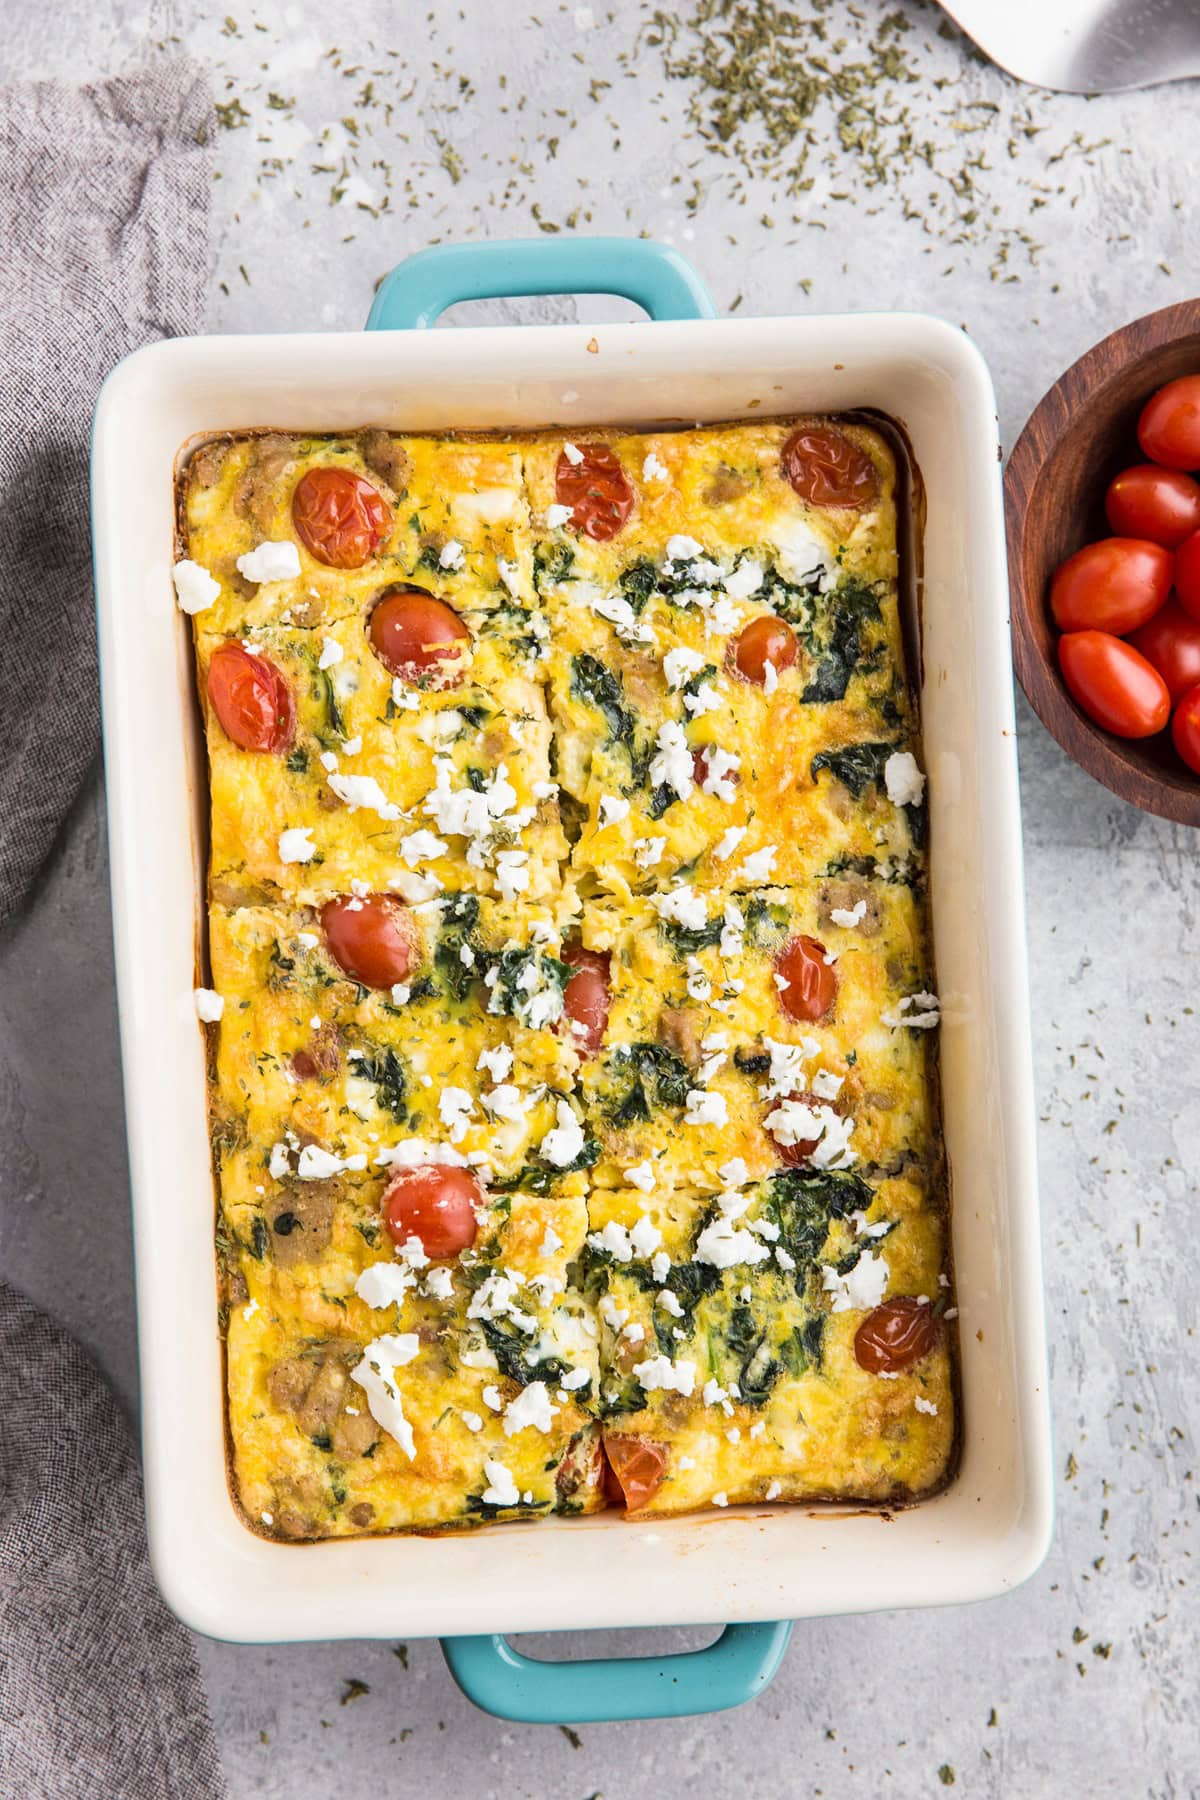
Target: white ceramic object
x=990, y=1529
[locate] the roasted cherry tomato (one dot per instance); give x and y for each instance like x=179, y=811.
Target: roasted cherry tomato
x=586, y=997
x=765, y=640
x=811, y=982
x=1171, y=641
x=251, y=699
x=1185, y=728
x=435, y=1203
x=321, y=1056
x=1148, y=502
x=1115, y=585
x=375, y=939
x=1187, y=574
x=826, y=469
x=896, y=1334
x=339, y=517
x=794, y=1156
x=596, y=490
x=414, y=634
x=1113, y=683
x=1169, y=428
x=639, y=1465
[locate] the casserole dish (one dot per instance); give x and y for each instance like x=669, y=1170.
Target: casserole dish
x=990, y=1528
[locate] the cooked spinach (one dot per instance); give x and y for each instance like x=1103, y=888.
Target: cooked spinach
x=838, y=638
x=638, y=582
x=459, y=920
x=541, y=1177
x=651, y=1076
x=759, y=1373
x=689, y=940
x=627, y=1396
x=386, y=1070
x=792, y=600
x=297, y=761
x=334, y=728
x=487, y=1509
x=751, y=1062
x=856, y=766
x=512, y=1350
x=804, y=1202
x=597, y=686
x=552, y=562
x=766, y=922
x=801, y=1350
x=522, y=974
x=259, y=1239
x=663, y=796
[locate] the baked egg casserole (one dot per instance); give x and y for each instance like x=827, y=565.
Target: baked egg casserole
x=571, y=1019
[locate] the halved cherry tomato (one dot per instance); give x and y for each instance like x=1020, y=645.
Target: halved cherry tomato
x=251, y=698
x=811, y=982
x=1169, y=428
x=702, y=763
x=1113, y=683
x=435, y=1203
x=826, y=469
x=586, y=997
x=639, y=1465
x=1148, y=502
x=596, y=490
x=1185, y=728
x=895, y=1335
x=1171, y=641
x=413, y=634
x=794, y=1156
x=1187, y=574
x=1115, y=585
x=374, y=939
x=765, y=640
x=339, y=517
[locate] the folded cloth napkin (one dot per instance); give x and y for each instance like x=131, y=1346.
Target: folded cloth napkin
x=104, y=197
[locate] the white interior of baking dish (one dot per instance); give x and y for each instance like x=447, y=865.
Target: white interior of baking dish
x=990, y=1529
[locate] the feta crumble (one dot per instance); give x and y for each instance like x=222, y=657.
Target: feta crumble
x=270, y=562
x=501, y=1490
x=531, y=1407
x=376, y=1375
x=654, y=470
x=209, y=1005
x=659, y=1372
x=861, y=1288
x=563, y=1143
x=195, y=588
x=903, y=779
x=331, y=653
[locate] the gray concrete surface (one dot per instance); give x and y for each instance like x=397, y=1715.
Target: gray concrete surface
x=1083, y=1682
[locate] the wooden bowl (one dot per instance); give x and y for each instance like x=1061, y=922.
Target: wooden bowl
x=1075, y=441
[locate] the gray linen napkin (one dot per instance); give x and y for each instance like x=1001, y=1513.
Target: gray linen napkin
x=104, y=197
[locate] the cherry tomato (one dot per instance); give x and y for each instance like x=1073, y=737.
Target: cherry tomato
x=586, y=997
x=1187, y=574
x=320, y=1058
x=639, y=1465
x=1171, y=641
x=811, y=982
x=1169, y=428
x=1113, y=683
x=413, y=634
x=764, y=640
x=826, y=469
x=434, y=1203
x=339, y=517
x=375, y=940
x=1185, y=728
x=596, y=490
x=251, y=699
x=896, y=1334
x=794, y=1156
x=702, y=763
x=1115, y=585
x=1159, y=504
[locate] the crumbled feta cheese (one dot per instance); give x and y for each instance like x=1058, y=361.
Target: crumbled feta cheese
x=786, y=1073
x=362, y=793
x=315, y=1164
x=793, y=1122
x=209, y=1005
x=451, y=555
x=501, y=1490
x=734, y=1173
x=531, y=1407
x=455, y=1107
x=376, y=1375
x=704, y=1108
x=557, y=515
x=400, y=994
x=563, y=1144
x=725, y=846
x=384, y=1283
x=421, y=846
x=672, y=764
x=921, y=1011
x=732, y=938
x=706, y=699
x=903, y=779
x=328, y=761
x=438, y=1284
x=745, y=580
x=721, y=1499
x=195, y=588
x=801, y=555
x=510, y=575
x=271, y=562
x=861, y=1288
x=683, y=905
x=351, y=746
x=680, y=664
x=722, y=1245
x=331, y=653
x=681, y=548
x=550, y=1242
x=506, y=1102
x=826, y=1085
x=660, y=1372
x=612, y=809
x=849, y=917
x=611, y=1313
x=641, y=1175
x=573, y=454
x=669, y=1301
x=575, y=1378
x=649, y=852
x=720, y=766
x=410, y=1153
x=512, y=873
x=925, y=1406
x=757, y=868
x=660, y=1265
x=472, y=1421
x=491, y=1398
x=774, y=1490
x=497, y=1062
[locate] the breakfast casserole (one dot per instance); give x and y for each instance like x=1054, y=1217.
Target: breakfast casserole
x=573, y=1086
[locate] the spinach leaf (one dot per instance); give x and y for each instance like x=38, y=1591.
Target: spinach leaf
x=551, y=562
x=480, y=1508
x=851, y=605
x=386, y=1070
x=792, y=600
x=638, y=582
x=512, y=1350
x=526, y=976
x=766, y=922
x=759, y=1373
x=542, y=1177
x=297, y=761
x=597, y=686
x=803, y=1203
x=459, y=920
x=624, y=1396
x=751, y=1062
x=689, y=940
x=653, y=1076
x=856, y=766
x=663, y=796
x=334, y=728
x=801, y=1350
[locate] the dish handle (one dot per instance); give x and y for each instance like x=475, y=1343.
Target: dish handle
x=532, y=1691
x=489, y=1671
x=652, y=275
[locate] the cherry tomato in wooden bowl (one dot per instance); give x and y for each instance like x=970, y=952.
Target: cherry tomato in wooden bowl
x=1187, y=574
x=1171, y=641
x=1148, y=502
x=1115, y=585
x=1113, y=683
x=1169, y=428
x=1185, y=728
